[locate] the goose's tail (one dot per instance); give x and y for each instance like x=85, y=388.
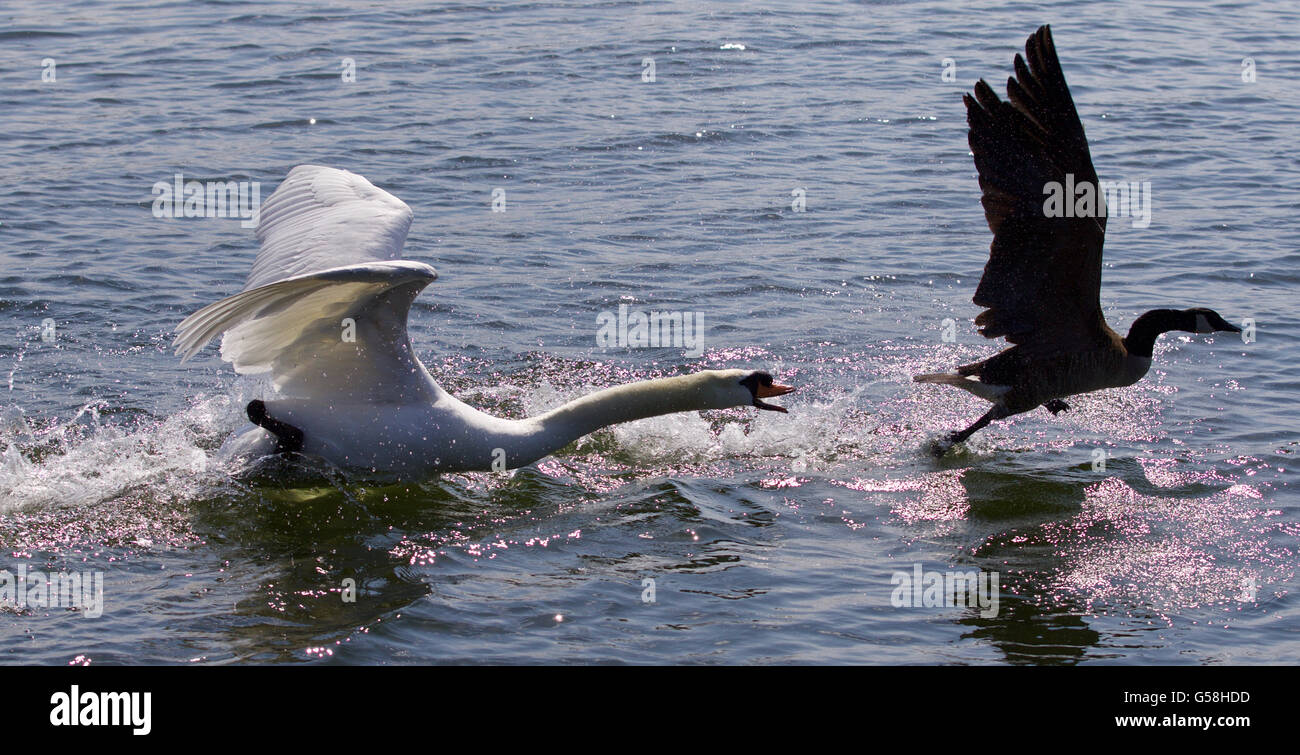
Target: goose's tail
x=948, y=378
x=986, y=391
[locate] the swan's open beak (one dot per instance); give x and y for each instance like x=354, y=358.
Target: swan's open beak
x=768, y=391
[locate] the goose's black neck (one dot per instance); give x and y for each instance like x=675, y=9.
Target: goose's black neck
x=1144, y=331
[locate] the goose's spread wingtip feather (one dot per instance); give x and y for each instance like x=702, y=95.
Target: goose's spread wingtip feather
x=1022, y=145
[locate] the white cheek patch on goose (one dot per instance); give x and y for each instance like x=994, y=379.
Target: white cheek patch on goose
x=1203, y=325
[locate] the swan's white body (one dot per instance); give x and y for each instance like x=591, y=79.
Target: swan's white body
x=324, y=311
x=446, y=435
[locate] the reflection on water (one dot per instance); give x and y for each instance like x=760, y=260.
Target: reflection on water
x=294, y=560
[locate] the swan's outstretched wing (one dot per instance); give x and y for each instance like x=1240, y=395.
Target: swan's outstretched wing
x=1042, y=282
x=325, y=306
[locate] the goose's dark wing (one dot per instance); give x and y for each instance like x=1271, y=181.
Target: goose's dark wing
x=1043, y=278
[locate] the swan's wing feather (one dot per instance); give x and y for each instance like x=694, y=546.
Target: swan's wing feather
x=1043, y=278
x=321, y=218
x=337, y=334
x=325, y=307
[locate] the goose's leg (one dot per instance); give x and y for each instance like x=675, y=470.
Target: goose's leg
x=941, y=447
x=979, y=424
x=1056, y=406
x=288, y=438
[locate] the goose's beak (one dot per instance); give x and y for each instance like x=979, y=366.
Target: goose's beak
x=769, y=391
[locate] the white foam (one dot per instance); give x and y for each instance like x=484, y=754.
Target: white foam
x=809, y=432
x=95, y=461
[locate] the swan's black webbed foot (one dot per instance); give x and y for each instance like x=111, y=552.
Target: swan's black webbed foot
x=288, y=439
x=1056, y=406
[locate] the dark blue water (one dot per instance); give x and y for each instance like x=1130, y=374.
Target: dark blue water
x=769, y=538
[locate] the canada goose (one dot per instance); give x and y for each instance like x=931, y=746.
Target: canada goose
x=1042, y=284
x=328, y=263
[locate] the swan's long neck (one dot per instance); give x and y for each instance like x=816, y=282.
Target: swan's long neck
x=623, y=403
x=476, y=440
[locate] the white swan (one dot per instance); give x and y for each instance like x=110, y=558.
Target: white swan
x=327, y=270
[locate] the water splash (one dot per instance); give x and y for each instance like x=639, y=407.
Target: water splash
x=96, y=456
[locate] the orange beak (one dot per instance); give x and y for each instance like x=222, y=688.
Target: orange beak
x=769, y=391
